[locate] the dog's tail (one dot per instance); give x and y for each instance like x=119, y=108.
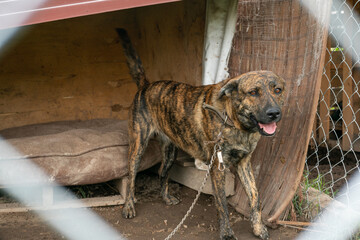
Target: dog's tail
x=133, y=61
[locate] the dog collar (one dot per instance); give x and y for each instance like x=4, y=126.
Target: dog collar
x=223, y=115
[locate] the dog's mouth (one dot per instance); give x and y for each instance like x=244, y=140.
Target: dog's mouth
x=265, y=129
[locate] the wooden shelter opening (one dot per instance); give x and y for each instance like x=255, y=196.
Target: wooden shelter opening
x=74, y=69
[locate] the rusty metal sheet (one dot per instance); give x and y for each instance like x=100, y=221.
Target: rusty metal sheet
x=17, y=13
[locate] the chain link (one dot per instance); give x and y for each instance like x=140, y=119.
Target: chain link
x=217, y=148
x=335, y=141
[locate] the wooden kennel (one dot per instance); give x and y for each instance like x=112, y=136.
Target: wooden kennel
x=74, y=69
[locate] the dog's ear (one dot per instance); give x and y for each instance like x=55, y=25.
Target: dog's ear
x=229, y=88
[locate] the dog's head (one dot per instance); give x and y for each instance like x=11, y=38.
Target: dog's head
x=256, y=99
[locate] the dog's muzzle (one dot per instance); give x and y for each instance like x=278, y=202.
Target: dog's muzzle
x=268, y=127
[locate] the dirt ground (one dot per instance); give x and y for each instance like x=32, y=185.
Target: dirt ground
x=154, y=219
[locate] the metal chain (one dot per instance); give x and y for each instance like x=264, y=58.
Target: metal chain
x=216, y=149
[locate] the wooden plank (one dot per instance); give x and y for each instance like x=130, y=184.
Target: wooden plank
x=48, y=200
x=348, y=89
x=294, y=223
x=324, y=105
x=89, y=202
x=193, y=178
x=315, y=133
x=185, y=162
x=356, y=103
x=347, y=126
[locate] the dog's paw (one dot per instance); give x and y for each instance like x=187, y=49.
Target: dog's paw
x=228, y=237
x=261, y=232
x=128, y=210
x=171, y=200
x=227, y=234
x=264, y=234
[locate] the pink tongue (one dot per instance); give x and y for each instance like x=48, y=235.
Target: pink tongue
x=269, y=128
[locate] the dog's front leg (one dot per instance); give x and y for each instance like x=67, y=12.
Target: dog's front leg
x=247, y=178
x=218, y=182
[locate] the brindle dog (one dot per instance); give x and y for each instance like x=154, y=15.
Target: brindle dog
x=242, y=109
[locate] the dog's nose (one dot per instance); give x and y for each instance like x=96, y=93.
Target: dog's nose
x=273, y=113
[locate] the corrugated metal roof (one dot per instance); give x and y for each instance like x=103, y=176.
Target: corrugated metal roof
x=14, y=13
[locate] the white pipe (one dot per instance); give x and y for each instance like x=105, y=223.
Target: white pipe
x=221, y=19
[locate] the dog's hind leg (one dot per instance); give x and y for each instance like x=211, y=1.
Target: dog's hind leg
x=138, y=140
x=218, y=182
x=247, y=178
x=169, y=155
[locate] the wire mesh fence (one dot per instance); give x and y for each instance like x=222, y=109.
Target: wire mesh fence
x=334, y=152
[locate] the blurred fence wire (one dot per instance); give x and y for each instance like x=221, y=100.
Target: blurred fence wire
x=334, y=152
x=76, y=224
x=80, y=223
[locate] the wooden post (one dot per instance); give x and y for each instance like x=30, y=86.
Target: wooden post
x=348, y=126
x=348, y=90
x=356, y=77
x=324, y=105
x=356, y=103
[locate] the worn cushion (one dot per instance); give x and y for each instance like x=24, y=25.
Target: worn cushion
x=77, y=152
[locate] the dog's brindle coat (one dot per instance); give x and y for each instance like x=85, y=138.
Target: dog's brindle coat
x=174, y=112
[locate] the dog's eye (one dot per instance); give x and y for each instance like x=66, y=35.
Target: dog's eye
x=277, y=90
x=253, y=93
